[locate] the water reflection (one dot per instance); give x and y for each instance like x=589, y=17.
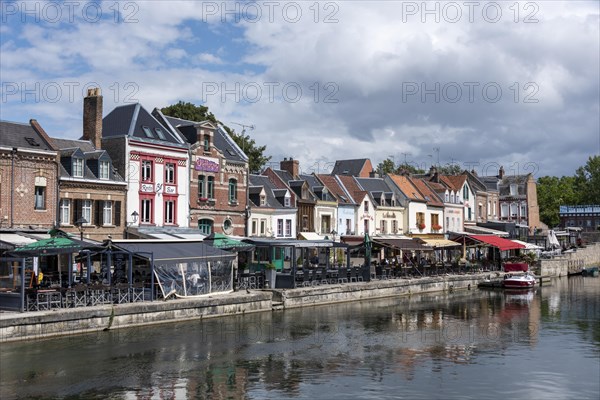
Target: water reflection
x=460, y=345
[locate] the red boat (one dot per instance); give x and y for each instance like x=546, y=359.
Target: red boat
x=525, y=281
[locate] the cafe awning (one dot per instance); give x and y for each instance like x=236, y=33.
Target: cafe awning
x=401, y=244
x=495, y=241
x=178, y=251
x=438, y=243
x=221, y=241
x=52, y=246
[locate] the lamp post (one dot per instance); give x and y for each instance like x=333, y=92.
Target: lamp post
x=333, y=233
x=79, y=224
x=134, y=217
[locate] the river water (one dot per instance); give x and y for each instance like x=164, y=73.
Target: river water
x=476, y=344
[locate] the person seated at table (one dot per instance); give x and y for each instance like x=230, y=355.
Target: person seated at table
x=39, y=279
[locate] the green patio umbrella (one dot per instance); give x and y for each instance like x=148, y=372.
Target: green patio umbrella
x=223, y=242
x=368, y=246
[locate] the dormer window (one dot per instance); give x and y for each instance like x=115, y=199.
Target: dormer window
x=160, y=133
x=513, y=190
x=286, y=202
x=263, y=200
x=147, y=132
x=78, y=168
x=103, y=170
x=447, y=198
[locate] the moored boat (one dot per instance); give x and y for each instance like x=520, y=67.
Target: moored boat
x=525, y=281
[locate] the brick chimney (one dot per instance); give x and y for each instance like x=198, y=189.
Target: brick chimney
x=292, y=166
x=92, y=117
x=501, y=172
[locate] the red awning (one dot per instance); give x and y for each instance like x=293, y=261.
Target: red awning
x=500, y=243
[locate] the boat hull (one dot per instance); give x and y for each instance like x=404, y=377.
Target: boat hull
x=518, y=282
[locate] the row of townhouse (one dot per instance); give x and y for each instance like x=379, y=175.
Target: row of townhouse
x=139, y=173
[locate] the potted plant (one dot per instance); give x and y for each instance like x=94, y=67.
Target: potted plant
x=420, y=225
x=270, y=274
x=436, y=227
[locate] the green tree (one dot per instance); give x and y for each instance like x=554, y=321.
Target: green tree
x=449, y=169
x=587, y=181
x=411, y=169
x=192, y=112
x=386, y=167
x=553, y=192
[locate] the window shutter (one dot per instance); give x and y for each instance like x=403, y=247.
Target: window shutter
x=76, y=210
x=117, y=221
x=97, y=204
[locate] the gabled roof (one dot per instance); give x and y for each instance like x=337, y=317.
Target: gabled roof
x=430, y=196
x=454, y=182
x=222, y=141
x=135, y=121
x=407, y=187
x=334, y=187
x=349, y=167
x=22, y=136
x=475, y=182
x=352, y=187
x=258, y=183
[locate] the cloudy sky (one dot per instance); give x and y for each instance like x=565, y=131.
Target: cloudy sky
x=481, y=84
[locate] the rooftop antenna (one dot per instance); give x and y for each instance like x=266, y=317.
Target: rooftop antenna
x=406, y=154
x=437, y=150
x=244, y=126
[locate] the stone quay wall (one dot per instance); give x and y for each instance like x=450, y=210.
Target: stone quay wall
x=571, y=263
x=328, y=294
x=62, y=322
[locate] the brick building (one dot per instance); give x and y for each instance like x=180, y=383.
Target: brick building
x=218, y=178
x=28, y=176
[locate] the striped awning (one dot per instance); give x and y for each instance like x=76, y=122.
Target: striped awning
x=437, y=243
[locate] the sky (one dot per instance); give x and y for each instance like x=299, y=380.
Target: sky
x=480, y=84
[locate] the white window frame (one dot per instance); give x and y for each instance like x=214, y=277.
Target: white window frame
x=103, y=170
x=170, y=173
x=86, y=211
x=146, y=173
x=107, y=216
x=169, y=212
x=65, y=211
x=288, y=227
x=146, y=209
x=77, y=171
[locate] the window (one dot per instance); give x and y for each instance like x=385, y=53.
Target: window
x=523, y=211
x=103, y=170
x=435, y=220
x=447, y=197
x=169, y=212
x=201, y=192
x=107, y=213
x=86, y=211
x=65, y=211
x=394, y=226
x=470, y=217
x=147, y=171
x=480, y=210
x=452, y=197
x=279, y=228
x=383, y=226
x=160, y=133
x=325, y=224
x=227, y=225
x=170, y=173
x=514, y=209
x=254, y=227
x=450, y=228
x=465, y=193
x=420, y=218
x=366, y=206
x=210, y=187
x=366, y=225
x=232, y=191
x=348, y=226
x=286, y=202
x=305, y=223
x=263, y=200
x=513, y=189
x=206, y=143
x=263, y=227
x=288, y=227
x=504, y=210
x=40, y=198
x=489, y=210
x=205, y=226
x=77, y=168
x=147, y=132
x=146, y=217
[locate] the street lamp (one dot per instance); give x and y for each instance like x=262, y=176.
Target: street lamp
x=134, y=217
x=333, y=233
x=79, y=224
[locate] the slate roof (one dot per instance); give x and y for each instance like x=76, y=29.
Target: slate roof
x=84, y=149
x=22, y=135
x=316, y=186
x=349, y=167
x=257, y=182
x=222, y=141
x=130, y=119
x=519, y=180
x=84, y=145
x=377, y=187
x=490, y=182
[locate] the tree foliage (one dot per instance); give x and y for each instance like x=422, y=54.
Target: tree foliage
x=581, y=189
x=387, y=166
x=449, y=169
x=192, y=112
